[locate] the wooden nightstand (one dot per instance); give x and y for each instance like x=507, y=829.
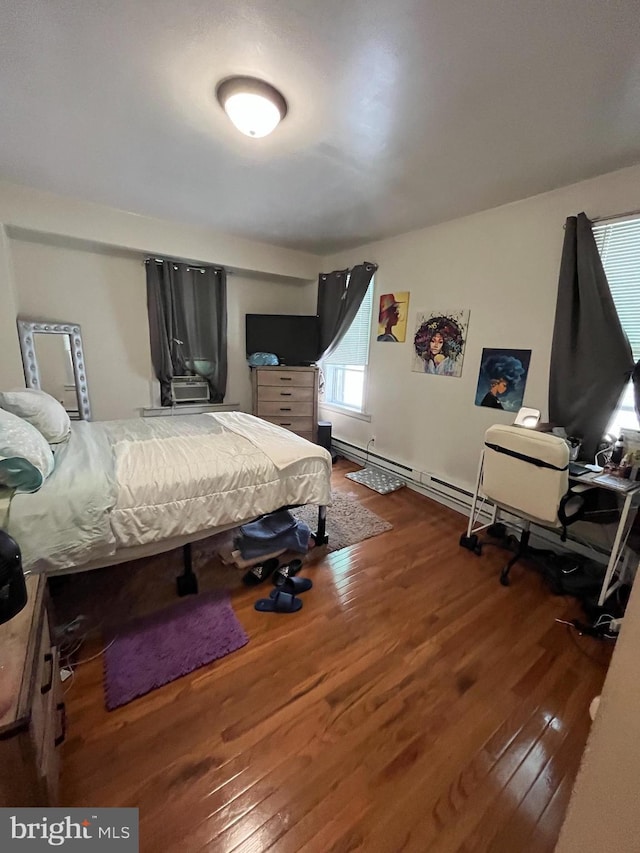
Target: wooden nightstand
x=287, y=396
x=32, y=714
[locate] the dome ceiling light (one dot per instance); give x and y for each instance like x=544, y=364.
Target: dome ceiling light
x=254, y=107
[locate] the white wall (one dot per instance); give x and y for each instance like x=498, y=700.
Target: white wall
x=247, y=295
x=11, y=374
x=36, y=211
x=106, y=295
x=503, y=265
x=69, y=260
x=603, y=813
x=105, y=292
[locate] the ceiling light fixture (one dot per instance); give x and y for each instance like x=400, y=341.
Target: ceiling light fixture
x=254, y=107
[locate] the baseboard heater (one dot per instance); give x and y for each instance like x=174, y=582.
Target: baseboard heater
x=457, y=498
x=449, y=494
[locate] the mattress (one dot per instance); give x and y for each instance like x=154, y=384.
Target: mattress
x=121, y=485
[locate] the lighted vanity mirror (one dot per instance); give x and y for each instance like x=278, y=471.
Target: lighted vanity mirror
x=53, y=360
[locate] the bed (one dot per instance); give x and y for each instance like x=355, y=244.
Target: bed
x=125, y=489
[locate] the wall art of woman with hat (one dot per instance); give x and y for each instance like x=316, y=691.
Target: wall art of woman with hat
x=392, y=318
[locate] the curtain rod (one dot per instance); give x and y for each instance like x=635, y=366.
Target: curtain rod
x=610, y=218
x=616, y=216
x=368, y=264
x=190, y=266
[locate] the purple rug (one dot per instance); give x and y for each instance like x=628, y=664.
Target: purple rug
x=158, y=648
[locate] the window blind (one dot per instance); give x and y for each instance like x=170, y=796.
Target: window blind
x=353, y=349
x=619, y=247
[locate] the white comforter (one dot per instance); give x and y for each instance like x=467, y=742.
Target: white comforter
x=120, y=484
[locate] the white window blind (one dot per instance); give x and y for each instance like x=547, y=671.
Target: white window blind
x=619, y=247
x=353, y=349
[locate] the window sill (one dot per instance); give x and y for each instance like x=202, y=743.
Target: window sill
x=343, y=410
x=188, y=409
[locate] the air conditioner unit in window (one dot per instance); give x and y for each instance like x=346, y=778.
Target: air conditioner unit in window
x=189, y=389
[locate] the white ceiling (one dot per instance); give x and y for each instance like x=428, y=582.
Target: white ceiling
x=401, y=114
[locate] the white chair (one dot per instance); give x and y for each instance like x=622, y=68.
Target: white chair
x=524, y=473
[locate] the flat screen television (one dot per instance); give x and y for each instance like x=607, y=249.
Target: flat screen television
x=294, y=338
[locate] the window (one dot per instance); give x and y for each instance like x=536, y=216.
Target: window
x=345, y=370
x=187, y=326
x=619, y=247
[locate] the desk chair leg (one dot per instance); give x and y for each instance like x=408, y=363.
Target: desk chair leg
x=523, y=547
x=470, y=540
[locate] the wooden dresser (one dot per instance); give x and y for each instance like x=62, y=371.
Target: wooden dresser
x=287, y=396
x=32, y=719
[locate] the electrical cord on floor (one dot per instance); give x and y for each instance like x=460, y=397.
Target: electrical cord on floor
x=97, y=655
x=585, y=630
x=71, y=667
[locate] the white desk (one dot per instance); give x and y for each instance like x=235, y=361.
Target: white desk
x=630, y=501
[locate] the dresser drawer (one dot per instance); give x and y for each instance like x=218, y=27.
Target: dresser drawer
x=43, y=689
x=285, y=409
x=293, y=423
x=274, y=393
x=31, y=706
x=54, y=735
x=288, y=397
x=282, y=378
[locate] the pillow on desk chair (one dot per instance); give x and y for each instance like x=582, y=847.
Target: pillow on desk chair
x=526, y=473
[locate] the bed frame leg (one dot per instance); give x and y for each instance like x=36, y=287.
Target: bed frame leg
x=187, y=582
x=320, y=536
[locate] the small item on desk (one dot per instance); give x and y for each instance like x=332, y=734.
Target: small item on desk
x=613, y=482
x=577, y=470
x=574, y=446
x=630, y=466
x=618, y=451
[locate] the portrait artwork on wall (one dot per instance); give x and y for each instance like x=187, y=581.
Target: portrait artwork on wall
x=439, y=341
x=502, y=379
x=392, y=317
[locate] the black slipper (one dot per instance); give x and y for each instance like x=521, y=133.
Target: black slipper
x=285, y=571
x=294, y=586
x=282, y=602
x=258, y=574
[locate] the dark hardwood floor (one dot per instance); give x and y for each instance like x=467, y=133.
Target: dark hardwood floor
x=413, y=704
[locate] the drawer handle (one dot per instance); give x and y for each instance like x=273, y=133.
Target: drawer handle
x=285, y=393
x=285, y=423
x=62, y=710
x=48, y=658
x=284, y=409
x=285, y=379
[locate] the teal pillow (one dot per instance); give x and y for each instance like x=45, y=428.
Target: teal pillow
x=26, y=459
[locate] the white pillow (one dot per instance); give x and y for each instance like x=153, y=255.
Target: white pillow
x=39, y=408
x=26, y=459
